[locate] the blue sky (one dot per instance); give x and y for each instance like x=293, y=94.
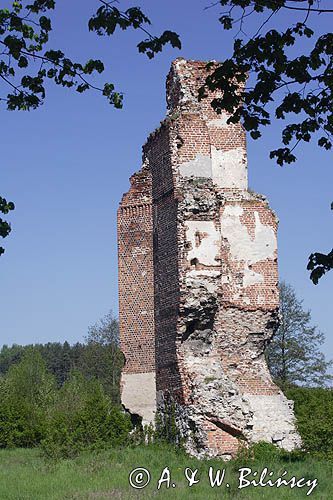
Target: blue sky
x=67, y=164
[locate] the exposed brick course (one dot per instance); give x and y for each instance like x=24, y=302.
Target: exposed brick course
x=136, y=282
x=210, y=289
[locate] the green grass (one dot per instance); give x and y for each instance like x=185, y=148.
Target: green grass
x=25, y=475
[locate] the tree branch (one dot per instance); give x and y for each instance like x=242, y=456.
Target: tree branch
x=279, y=5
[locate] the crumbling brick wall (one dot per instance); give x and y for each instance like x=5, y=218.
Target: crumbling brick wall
x=215, y=278
x=136, y=296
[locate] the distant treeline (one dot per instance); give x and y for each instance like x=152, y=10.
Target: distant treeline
x=93, y=360
x=99, y=357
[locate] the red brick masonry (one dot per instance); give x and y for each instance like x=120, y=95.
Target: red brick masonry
x=198, y=280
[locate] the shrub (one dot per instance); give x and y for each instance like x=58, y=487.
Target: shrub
x=25, y=394
x=83, y=417
x=143, y=435
x=166, y=428
x=314, y=413
x=266, y=453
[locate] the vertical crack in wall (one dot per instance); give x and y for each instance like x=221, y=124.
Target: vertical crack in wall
x=212, y=256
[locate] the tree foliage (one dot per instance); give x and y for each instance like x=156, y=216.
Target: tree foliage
x=65, y=419
x=83, y=417
x=294, y=354
x=28, y=61
x=59, y=358
x=30, y=381
x=285, y=80
x=105, y=331
x=25, y=395
x=320, y=263
x=100, y=357
x=5, y=229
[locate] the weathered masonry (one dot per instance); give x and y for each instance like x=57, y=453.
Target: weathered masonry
x=198, y=281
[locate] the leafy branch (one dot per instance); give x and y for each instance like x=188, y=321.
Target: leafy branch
x=296, y=89
x=265, y=59
x=5, y=229
x=24, y=38
x=320, y=263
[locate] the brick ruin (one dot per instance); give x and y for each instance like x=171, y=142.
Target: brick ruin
x=198, y=281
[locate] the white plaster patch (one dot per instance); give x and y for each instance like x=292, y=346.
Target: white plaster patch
x=260, y=300
x=139, y=394
x=201, y=166
x=180, y=62
x=251, y=277
x=247, y=249
x=219, y=122
x=229, y=168
x=273, y=420
x=242, y=246
x=203, y=272
x=205, y=242
x=139, y=250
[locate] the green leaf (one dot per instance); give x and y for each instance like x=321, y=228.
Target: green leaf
x=45, y=23
x=82, y=87
x=23, y=62
x=226, y=22
x=93, y=65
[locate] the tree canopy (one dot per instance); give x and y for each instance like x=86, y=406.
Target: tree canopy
x=280, y=78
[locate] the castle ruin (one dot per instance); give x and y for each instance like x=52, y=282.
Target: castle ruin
x=198, y=281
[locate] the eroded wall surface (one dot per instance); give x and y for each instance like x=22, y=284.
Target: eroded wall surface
x=215, y=278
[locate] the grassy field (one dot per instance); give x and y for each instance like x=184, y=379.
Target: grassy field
x=25, y=475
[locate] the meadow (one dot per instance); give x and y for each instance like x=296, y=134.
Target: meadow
x=26, y=475
x=65, y=437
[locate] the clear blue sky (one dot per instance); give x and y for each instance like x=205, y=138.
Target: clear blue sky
x=67, y=164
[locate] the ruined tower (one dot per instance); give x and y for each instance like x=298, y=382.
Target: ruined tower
x=198, y=281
